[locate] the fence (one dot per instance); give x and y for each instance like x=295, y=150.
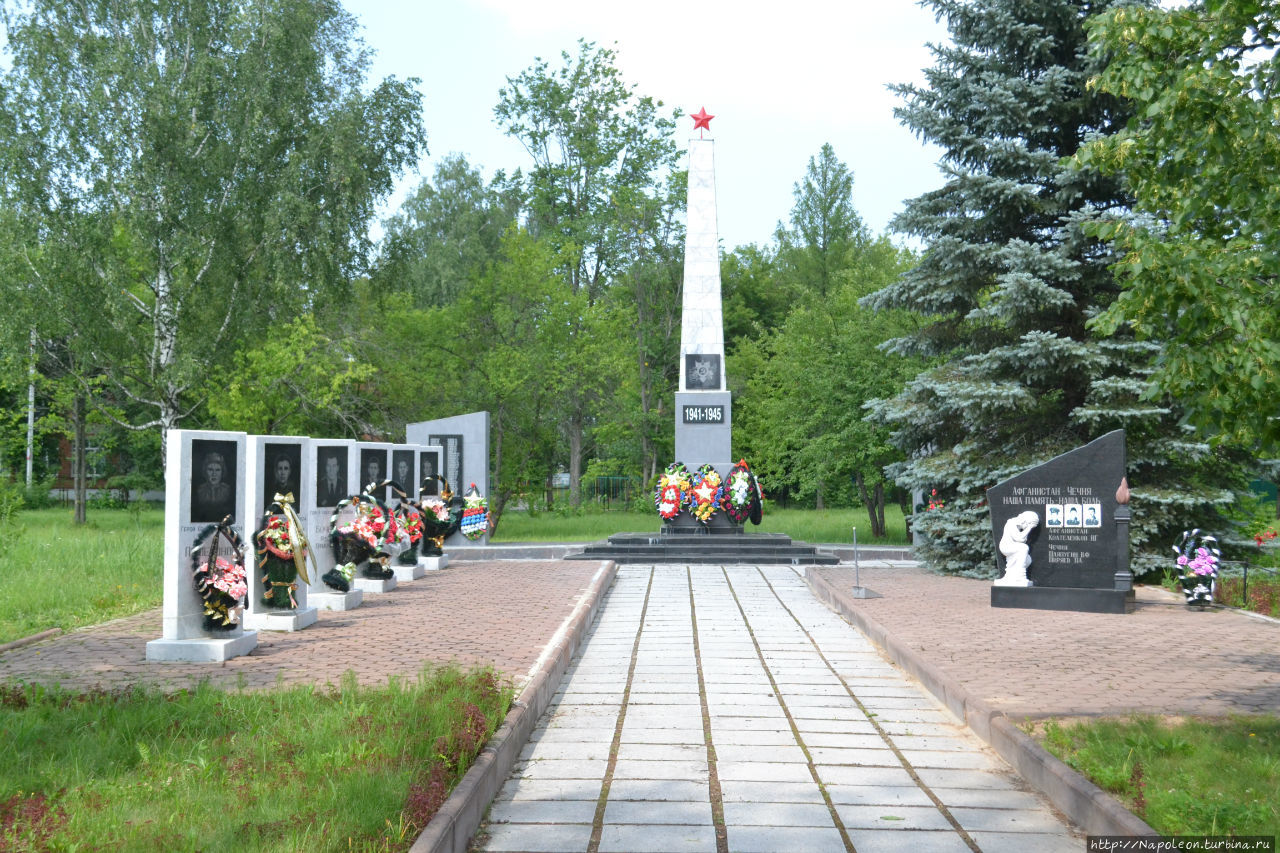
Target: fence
x=1235, y=578
x=614, y=492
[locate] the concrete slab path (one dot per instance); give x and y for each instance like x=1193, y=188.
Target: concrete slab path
x=726, y=709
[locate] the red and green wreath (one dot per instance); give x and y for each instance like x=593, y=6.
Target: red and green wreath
x=706, y=493
x=670, y=494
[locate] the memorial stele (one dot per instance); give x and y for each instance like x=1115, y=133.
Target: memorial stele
x=703, y=410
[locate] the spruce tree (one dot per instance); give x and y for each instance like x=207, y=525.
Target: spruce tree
x=1006, y=284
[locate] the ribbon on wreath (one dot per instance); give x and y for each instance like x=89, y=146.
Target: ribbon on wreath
x=293, y=587
x=297, y=538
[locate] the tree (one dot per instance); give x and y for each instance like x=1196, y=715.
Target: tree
x=800, y=413
x=1197, y=253
x=1006, y=285
x=298, y=381
x=806, y=383
x=445, y=232
x=211, y=168
x=600, y=158
x=825, y=228
x=504, y=346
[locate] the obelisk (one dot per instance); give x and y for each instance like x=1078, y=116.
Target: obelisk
x=703, y=406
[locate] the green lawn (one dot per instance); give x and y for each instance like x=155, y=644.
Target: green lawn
x=324, y=769
x=54, y=574
x=1182, y=776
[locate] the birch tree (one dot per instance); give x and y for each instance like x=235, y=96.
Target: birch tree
x=212, y=166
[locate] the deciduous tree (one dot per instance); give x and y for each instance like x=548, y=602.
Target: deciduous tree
x=1198, y=256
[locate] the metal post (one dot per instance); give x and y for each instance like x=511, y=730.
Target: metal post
x=857, y=568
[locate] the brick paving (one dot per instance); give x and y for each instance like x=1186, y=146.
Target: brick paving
x=1163, y=658
x=499, y=613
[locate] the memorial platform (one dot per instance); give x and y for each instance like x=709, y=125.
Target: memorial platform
x=706, y=548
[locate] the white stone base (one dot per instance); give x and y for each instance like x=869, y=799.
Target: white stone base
x=432, y=564
x=373, y=585
x=202, y=649
x=408, y=573
x=334, y=600
x=281, y=620
x=1018, y=582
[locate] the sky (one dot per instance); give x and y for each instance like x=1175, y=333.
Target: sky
x=781, y=79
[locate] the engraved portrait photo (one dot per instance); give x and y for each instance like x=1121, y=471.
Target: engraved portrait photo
x=373, y=469
x=428, y=466
x=402, y=469
x=283, y=474
x=331, y=475
x=213, y=480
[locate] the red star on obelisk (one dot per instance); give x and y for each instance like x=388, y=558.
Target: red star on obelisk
x=701, y=120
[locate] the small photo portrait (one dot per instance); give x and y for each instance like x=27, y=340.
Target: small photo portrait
x=373, y=470
x=331, y=475
x=283, y=474
x=1053, y=515
x=1072, y=515
x=429, y=466
x=402, y=469
x=1092, y=515
x=213, y=480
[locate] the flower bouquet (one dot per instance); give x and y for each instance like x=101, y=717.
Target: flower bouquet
x=670, y=494
x=359, y=530
x=276, y=550
x=706, y=493
x=740, y=492
x=218, y=570
x=475, y=514
x=441, y=515
x=1198, y=558
x=410, y=521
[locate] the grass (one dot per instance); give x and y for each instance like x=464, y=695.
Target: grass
x=54, y=574
x=1182, y=776
x=825, y=526
x=338, y=768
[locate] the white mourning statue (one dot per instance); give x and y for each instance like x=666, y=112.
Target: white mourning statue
x=1017, y=553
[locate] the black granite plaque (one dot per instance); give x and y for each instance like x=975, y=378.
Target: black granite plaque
x=213, y=480
x=373, y=469
x=703, y=414
x=282, y=474
x=428, y=466
x=331, y=475
x=452, y=461
x=1075, y=545
x=402, y=470
x=702, y=371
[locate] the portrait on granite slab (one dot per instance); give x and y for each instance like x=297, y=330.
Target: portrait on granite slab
x=331, y=475
x=402, y=469
x=213, y=480
x=283, y=475
x=429, y=466
x=373, y=469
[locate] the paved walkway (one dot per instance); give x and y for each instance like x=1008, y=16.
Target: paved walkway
x=1164, y=658
x=501, y=614
x=717, y=709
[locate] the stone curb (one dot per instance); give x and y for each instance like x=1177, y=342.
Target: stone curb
x=26, y=641
x=451, y=830
x=1084, y=803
